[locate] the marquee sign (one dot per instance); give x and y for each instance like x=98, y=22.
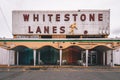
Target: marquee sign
x=61, y=22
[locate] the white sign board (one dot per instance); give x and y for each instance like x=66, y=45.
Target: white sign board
x=91, y=22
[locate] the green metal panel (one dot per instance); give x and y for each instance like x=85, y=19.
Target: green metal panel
x=63, y=40
x=49, y=55
x=26, y=57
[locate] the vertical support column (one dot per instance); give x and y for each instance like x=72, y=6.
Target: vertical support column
x=39, y=57
x=112, y=58
x=86, y=58
x=60, y=57
x=34, y=52
x=104, y=58
x=8, y=58
x=17, y=58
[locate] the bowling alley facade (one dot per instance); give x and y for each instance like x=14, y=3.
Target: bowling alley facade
x=78, y=38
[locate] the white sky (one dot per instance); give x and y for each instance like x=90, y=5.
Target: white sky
x=6, y=7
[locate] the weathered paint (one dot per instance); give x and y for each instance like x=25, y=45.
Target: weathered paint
x=81, y=22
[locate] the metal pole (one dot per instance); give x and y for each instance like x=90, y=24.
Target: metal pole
x=112, y=58
x=103, y=58
x=86, y=58
x=17, y=58
x=60, y=57
x=8, y=58
x=34, y=51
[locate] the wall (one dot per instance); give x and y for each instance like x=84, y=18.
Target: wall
x=109, y=57
x=4, y=56
x=117, y=56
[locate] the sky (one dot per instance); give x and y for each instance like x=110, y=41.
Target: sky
x=6, y=7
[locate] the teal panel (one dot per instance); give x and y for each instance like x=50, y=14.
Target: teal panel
x=26, y=57
x=49, y=55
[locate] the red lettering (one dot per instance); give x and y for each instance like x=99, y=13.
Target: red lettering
x=54, y=29
x=38, y=30
x=83, y=17
x=67, y=18
x=29, y=30
x=26, y=17
x=57, y=17
x=50, y=17
x=75, y=15
x=35, y=17
x=91, y=17
x=62, y=29
x=100, y=17
x=46, y=29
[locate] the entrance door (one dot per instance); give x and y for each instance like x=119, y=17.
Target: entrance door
x=92, y=58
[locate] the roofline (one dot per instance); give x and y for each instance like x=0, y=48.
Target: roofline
x=95, y=10
x=61, y=40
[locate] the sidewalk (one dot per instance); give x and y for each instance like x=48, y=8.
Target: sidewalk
x=59, y=68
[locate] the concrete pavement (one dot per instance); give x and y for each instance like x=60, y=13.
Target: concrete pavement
x=60, y=74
